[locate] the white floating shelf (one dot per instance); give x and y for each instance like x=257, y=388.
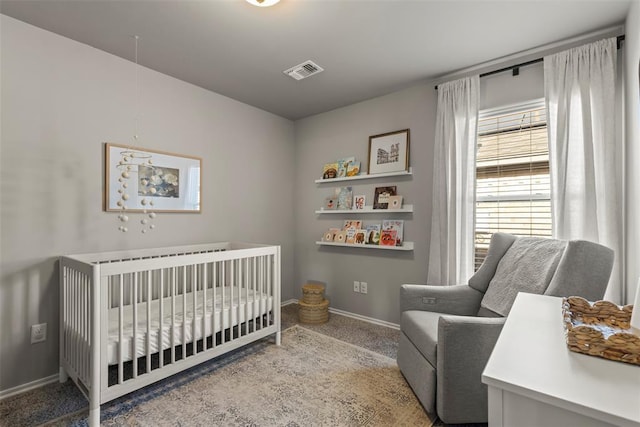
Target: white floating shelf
x=366, y=210
x=406, y=246
x=365, y=176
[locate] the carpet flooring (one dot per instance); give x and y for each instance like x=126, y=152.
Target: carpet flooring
x=314, y=402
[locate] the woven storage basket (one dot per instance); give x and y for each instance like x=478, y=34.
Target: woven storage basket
x=313, y=313
x=600, y=329
x=312, y=293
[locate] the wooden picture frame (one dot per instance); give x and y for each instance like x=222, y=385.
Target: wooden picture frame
x=381, y=196
x=170, y=183
x=389, y=152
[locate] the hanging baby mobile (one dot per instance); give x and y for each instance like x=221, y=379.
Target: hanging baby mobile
x=136, y=164
x=130, y=163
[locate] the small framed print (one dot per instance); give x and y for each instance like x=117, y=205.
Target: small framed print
x=331, y=203
x=389, y=152
x=359, y=202
x=137, y=179
x=395, y=202
x=381, y=196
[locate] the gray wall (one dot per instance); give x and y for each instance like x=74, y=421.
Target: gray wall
x=632, y=138
x=60, y=101
x=345, y=132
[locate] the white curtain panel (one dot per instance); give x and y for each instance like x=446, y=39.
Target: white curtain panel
x=452, y=223
x=584, y=153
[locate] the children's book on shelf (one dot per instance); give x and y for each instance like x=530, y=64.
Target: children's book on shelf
x=352, y=223
x=351, y=235
x=345, y=197
x=343, y=165
x=353, y=169
x=340, y=237
x=381, y=196
x=396, y=225
x=330, y=171
x=388, y=238
x=359, y=202
x=329, y=235
x=361, y=237
x=373, y=234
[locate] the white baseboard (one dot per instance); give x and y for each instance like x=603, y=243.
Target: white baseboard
x=354, y=316
x=364, y=318
x=4, y=394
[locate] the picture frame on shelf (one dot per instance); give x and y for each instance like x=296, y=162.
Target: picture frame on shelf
x=389, y=152
x=395, y=202
x=157, y=181
x=330, y=203
x=381, y=196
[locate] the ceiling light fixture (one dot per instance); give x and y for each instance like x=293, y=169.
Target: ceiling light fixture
x=263, y=3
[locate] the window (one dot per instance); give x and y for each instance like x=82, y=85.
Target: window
x=512, y=175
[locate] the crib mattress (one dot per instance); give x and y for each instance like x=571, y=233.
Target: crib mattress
x=242, y=307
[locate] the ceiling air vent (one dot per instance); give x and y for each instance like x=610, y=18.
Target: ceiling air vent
x=304, y=70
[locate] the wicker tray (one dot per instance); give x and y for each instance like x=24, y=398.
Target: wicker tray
x=600, y=329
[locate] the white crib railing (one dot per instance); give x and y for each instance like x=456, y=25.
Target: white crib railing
x=129, y=319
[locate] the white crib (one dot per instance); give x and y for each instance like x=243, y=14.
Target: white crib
x=131, y=318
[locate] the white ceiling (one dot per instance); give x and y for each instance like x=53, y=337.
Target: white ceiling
x=367, y=48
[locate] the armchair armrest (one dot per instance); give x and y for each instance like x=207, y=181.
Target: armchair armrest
x=464, y=346
x=461, y=299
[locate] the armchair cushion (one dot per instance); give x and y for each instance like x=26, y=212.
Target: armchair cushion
x=421, y=328
x=527, y=266
x=584, y=270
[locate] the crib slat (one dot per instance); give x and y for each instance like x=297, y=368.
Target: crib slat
x=245, y=282
x=134, y=305
x=203, y=269
x=222, y=315
x=269, y=288
x=184, y=312
x=194, y=291
x=253, y=287
x=148, y=340
x=161, y=320
x=120, y=326
x=173, y=315
x=214, y=302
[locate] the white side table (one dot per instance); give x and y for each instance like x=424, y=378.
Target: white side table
x=534, y=380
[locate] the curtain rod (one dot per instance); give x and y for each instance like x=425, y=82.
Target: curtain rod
x=516, y=68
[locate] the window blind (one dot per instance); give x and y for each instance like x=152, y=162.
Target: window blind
x=512, y=176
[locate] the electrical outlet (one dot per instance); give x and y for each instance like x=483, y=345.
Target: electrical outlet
x=38, y=333
x=363, y=287
x=356, y=286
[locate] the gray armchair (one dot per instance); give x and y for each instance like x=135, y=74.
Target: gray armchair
x=448, y=332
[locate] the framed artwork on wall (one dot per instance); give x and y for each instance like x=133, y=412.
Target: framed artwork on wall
x=140, y=179
x=389, y=152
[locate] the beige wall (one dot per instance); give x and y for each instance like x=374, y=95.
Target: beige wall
x=60, y=101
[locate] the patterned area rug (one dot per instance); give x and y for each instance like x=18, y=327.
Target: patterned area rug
x=311, y=379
